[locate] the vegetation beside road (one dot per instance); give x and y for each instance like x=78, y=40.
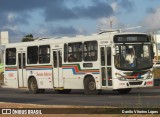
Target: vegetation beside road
x=156, y=73
x=1, y=76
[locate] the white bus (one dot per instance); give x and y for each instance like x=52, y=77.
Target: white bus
x=93, y=63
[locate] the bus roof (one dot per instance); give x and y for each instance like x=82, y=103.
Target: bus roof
x=59, y=40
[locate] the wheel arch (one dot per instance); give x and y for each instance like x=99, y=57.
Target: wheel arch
x=88, y=76
x=29, y=78
x=86, y=86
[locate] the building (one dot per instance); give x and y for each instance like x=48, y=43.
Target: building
x=3, y=40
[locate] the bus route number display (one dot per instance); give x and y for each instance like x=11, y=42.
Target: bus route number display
x=130, y=38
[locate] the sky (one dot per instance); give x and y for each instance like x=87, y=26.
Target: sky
x=63, y=18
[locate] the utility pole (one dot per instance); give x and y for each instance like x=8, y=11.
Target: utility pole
x=111, y=24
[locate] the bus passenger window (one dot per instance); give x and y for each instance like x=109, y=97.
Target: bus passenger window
x=10, y=56
x=70, y=58
x=32, y=55
x=75, y=52
x=44, y=54
x=90, y=51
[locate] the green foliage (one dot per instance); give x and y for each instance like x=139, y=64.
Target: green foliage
x=28, y=37
x=156, y=72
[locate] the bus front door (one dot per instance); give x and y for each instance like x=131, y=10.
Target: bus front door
x=57, y=68
x=106, y=69
x=22, y=81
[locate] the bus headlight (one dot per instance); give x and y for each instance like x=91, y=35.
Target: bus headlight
x=119, y=76
x=150, y=75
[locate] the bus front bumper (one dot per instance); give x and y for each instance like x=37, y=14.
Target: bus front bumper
x=134, y=84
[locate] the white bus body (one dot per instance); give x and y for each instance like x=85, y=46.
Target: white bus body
x=92, y=63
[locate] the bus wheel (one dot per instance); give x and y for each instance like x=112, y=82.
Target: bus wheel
x=65, y=91
x=90, y=87
x=32, y=86
x=124, y=91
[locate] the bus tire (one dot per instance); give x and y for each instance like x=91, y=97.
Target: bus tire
x=90, y=87
x=64, y=91
x=124, y=91
x=32, y=86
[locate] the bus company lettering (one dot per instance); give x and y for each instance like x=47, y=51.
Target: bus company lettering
x=11, y=75
x=145, y=111
x=44, y=74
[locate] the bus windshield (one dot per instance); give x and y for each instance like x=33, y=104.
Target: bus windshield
x=133, y=56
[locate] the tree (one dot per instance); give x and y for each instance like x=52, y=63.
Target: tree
x=28, y=37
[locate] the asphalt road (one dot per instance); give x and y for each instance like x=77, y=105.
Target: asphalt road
x=136, y=98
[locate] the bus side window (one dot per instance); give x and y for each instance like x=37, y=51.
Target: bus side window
x=75, y=52
x=44, y=54
x=90, y=51
x=10, y=56
x=32, y=55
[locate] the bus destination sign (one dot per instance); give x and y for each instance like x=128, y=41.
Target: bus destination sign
x=130, y=38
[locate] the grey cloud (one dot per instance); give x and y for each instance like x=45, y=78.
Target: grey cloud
x=58, y=12
x=99, y=9
x=53, y=10
x=128, y=5
x=26, y=6
x=22, y=9
x=150, y=10
x=22, y=5
x=64, y=31
x=54, y=31
x=18, y=19
x=61, y=12
x=57, y=9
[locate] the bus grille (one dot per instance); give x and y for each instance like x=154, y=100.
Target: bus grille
x=135, y=83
